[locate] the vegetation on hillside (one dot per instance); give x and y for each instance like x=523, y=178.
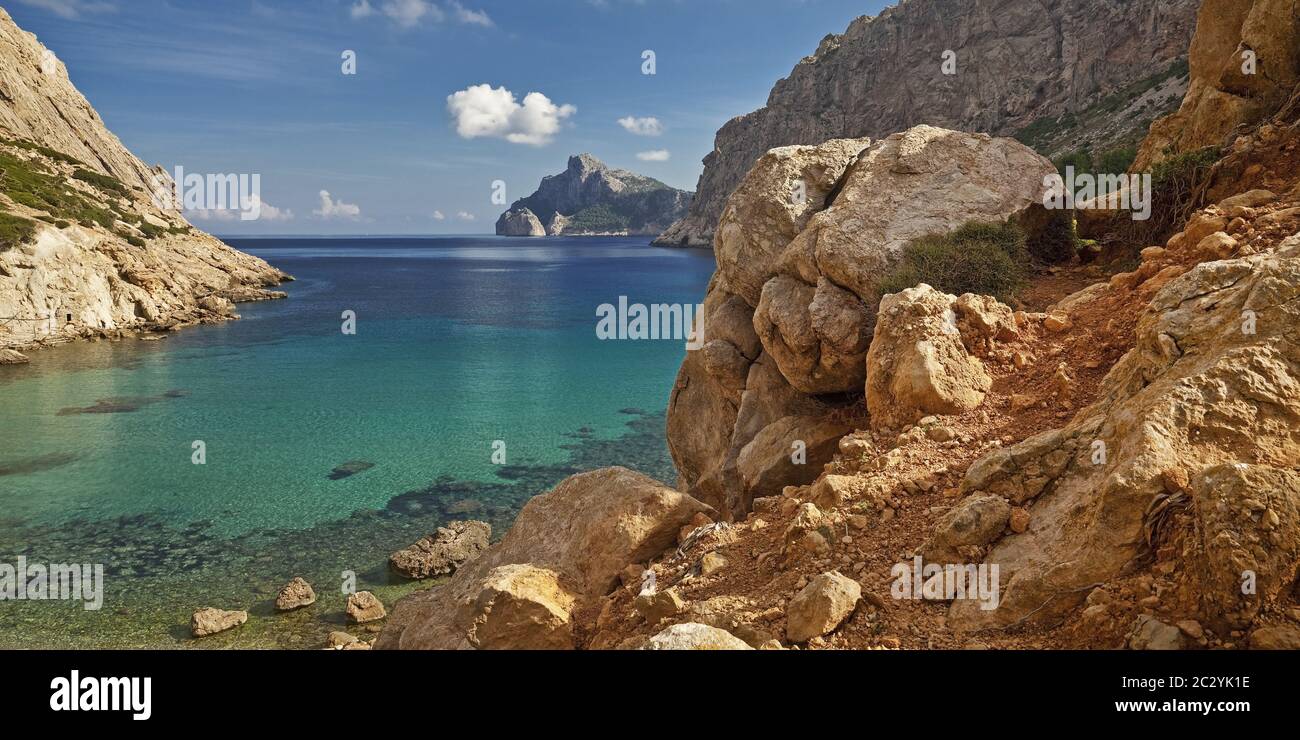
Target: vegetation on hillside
x=27, y=183
x=15, y=230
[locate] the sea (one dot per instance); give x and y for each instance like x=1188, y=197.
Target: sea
x=404, y=383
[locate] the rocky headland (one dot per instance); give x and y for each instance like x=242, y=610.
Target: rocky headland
x=85, y=251
x=592, y=199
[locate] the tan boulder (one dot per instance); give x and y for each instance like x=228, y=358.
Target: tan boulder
x=802, y=274
x=821, y=606
x=1275, y=637
x=586, y=532
x=520, y=607
x=1223, y=94
x=967, y=527
x=918, y=365
x=658, y=606
x=773, y=203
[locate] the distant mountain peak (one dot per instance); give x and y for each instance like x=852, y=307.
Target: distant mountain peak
x=591, y=198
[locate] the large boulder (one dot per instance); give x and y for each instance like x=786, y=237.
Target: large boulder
x=918, y=364
x=575, y=540
x=782, y=191
x=800, y=247
x=443, y=551
x=1200, y=418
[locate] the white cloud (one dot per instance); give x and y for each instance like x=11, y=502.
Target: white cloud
x=411, y=13
x=466, y=216
x=330, y=208
x=648, y=126
x=362, y=9
x=655, y=155
x=470, y=17
x=408, y=13
x=484, y=111
x=71, y=8
x=265, y=212
x=439, y=216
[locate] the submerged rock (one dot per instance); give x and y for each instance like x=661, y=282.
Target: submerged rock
x=12, y=357
x=349, y=469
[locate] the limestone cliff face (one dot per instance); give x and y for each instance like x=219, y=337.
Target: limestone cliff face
x=1244, y=65
x=84, y=250
x=590, y=198
x=1018, y=62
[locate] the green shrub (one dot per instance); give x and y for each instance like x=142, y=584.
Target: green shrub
x=15, y=230
x=103, y=182
x=984, y=258
x=32, y=146
x=1177, y=190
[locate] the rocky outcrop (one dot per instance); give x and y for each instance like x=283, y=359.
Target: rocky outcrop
x=520, y=222
x=1190, y=451
x=570, y=546
x=791, y=310
x=885, y=74
x=1244, y=64
x=590, y=198
x=100, y=256
x=443, y=551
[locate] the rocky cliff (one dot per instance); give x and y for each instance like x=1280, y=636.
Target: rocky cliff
x=1244, y=65
x=590, y=198
x=1060, y=74
x=84, y=248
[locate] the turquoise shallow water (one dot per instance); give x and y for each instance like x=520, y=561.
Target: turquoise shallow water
x=460, y=343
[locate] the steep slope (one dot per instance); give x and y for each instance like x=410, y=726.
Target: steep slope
x=1034, y=68
x=84, y=248
x=591, y=198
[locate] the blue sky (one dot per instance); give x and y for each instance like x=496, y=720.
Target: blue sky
x=257, y=86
